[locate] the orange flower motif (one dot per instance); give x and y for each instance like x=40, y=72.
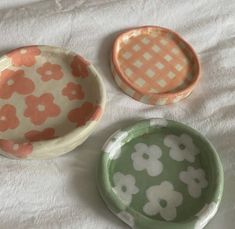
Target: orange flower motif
x=19, y=150
x=24, y=56
x=79, y=67
x=8, y=118
x=14, y=81
x=73, y=91
x=39, y=109
x=35, y=135
x=50, y=71
x=86, y=112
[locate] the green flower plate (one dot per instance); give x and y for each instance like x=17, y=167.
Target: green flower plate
x=161, y=174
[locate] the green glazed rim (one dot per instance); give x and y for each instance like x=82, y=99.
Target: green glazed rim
x=194, y=207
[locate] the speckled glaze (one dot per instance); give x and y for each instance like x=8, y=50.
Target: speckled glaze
x=161, y=174
x=51, y=99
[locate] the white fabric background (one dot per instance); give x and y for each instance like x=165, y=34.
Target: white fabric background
x=61, y=193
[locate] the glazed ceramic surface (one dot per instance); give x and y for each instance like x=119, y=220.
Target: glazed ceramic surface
x=161, y=174
x=50, y=101
x=154, y=65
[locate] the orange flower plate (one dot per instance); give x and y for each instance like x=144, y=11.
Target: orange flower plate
x=51, y=100
x=154, y=65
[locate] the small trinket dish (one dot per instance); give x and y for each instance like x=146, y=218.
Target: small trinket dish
x=161, y=174
x=51, y=99
x=154, y=65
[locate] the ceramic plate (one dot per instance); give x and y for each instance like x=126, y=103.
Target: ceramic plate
x=161, y=174
x=50, y=101
x=154, y=65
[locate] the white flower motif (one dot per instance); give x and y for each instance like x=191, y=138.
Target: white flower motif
x=114, y=143
x=163, y=200
x=181, y=148
x=195, y=179
x=126, y=218
x=158, y=122
x=124, y=187
x=206, y=214
x=147, y=157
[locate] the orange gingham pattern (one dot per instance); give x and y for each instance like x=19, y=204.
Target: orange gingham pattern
x=153, y=100
x=155, y=62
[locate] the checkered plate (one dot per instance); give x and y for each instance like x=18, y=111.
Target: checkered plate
x=154, y=65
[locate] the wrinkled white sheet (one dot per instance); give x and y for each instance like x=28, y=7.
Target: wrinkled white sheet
x=61, y=193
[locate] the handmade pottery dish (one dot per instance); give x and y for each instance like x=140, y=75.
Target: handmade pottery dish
x=154, y=65
x=161, y=174
x=51, y=100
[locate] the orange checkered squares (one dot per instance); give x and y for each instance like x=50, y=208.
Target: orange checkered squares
x=154, y=65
